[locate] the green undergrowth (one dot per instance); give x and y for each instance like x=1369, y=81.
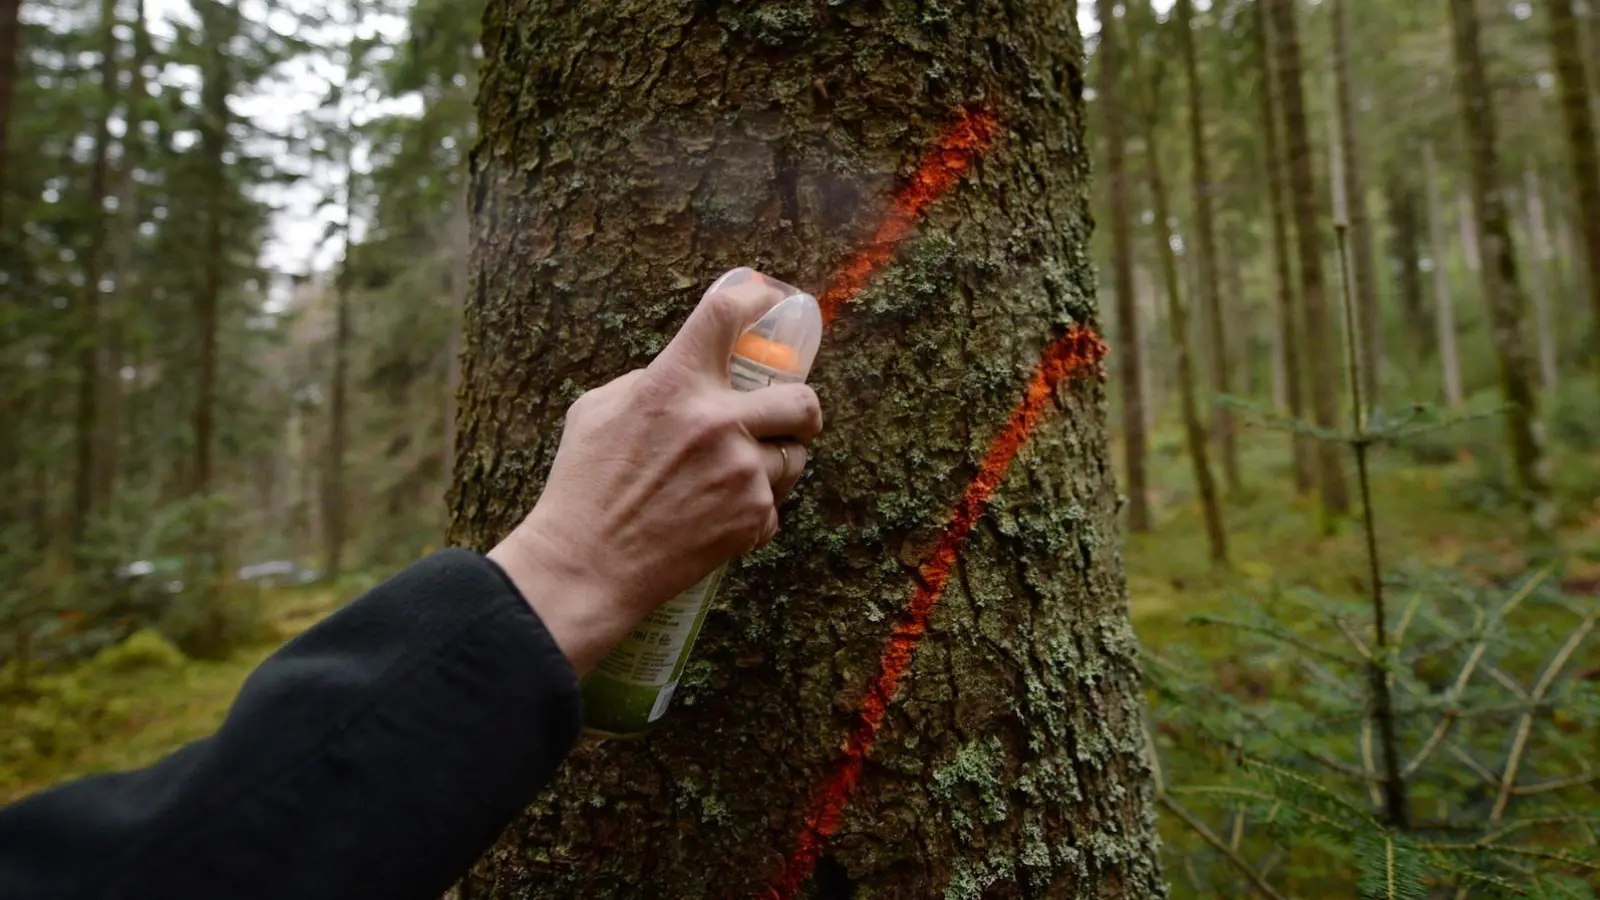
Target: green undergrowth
x=133, y=702
x=1454, y=549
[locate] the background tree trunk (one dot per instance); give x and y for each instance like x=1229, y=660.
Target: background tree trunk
x=10, y=38
x=1566, y=45
x=631, y=152
x=1466, y=222
x=1283, y=267
x=1134, y=437
x=334, y=514
x=1405, y=254
x=1177, y=313
x=1363, y=258
x=89, y=434
x=1444, y=302
x=1502, y=290
x=215, y=88
x=125, y=300
x=1210, y=293
x=1539, y=279
x=1309, y=226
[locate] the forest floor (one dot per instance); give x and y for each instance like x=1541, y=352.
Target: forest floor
x=129, y=708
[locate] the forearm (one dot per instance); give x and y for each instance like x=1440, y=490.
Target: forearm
x=376, y=755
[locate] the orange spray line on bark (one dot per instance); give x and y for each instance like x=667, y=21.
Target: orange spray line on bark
x=962, y=142
x=1076, y=354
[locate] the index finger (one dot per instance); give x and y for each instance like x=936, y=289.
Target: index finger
x=731, y=305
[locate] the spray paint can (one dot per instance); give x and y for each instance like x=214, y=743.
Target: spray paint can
x=632, y=687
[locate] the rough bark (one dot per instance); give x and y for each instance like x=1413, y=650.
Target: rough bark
x=1289, y=317
x=1406, y=229
x=1502, y=287
x=1321, y=368
x=1363, y=257
x=88, y=430
x=1444, y=315
x=1178, y=314
x=1222, y=425
x=633, y=150
x=1539, y=286
x=1135, y=443
x=1566, y=46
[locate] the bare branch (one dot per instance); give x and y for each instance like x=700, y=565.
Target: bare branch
x=1520, y=742
x=1210, y=837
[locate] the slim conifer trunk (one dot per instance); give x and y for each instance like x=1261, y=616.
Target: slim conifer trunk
x=1363, y=258
x=1178, y=314
x=1288, y=311
x=1321, y=368
x=89, y=429
x=1566, y=45
x=1443, y=297
x=1539, y=278
x=1502, y=287
x=1210, y=282
x=1114, y=124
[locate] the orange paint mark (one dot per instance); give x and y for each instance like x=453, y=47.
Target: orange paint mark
x=963, y=141
x=1076, y=354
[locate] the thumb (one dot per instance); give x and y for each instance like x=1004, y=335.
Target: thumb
x=730, y=306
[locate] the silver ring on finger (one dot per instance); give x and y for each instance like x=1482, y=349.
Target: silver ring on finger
x=783, y=450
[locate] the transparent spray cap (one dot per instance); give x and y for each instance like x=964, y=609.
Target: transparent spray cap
x=786, y=338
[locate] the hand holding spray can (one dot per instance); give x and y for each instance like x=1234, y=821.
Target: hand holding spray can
x=632, y=687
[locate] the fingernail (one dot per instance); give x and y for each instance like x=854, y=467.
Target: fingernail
x=731, y=278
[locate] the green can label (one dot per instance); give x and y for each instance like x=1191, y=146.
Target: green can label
x=633, y=686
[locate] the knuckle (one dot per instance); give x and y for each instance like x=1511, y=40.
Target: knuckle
x=722, y=305
x=705, y=424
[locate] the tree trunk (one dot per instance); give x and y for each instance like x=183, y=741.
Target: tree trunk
x=213, y=144
x=89, y=430
x=1178, y=313
x=1539, y=279
x=10, y=38
x=631, y=152
x=1222, y=425
x=1566, y=44
x=1502, y=290
x=1154, y=363
x=1319, y=329
x=123, y=301
x=1283, y=268
x=1134, y=437
x=1469, y=232
x=1242, y=317
x=1443, y=300
x=1363, y=258
x=1405, y=253
x=333, y=486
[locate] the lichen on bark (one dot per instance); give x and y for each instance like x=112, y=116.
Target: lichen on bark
x=631, y=152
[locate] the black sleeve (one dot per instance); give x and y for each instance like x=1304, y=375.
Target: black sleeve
x=376, y=755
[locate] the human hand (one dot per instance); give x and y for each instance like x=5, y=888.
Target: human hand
x=662, y=475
